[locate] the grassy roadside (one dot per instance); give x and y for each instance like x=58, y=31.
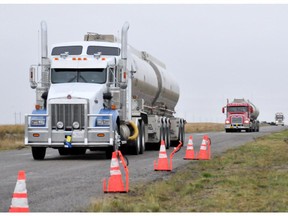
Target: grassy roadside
x=251, y=178
x=203, y=127
x=11, y=137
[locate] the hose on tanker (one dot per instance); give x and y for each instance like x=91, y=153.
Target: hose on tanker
x=136, y=132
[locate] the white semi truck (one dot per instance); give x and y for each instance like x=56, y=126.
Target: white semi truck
x=279, y=118
x=100, y=94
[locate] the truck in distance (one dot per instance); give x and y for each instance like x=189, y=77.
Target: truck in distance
x=241, y=115
x=279, y=118
x=101, y=94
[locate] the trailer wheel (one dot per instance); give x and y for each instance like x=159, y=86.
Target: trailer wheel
x=142, y=138
x=157, y=145
x=38, y=153
x=181, y=136
x=167, y=137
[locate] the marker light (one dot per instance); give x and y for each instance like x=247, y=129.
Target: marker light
x=101, y=135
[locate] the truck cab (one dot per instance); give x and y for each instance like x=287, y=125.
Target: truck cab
x=74, y=101
x=279, y=119
x=241, y=115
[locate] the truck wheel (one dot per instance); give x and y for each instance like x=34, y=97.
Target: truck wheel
x=38, y=153
x=167, y=137
x=162, y=137
x=78, y=151
x=182, y=137
x=136, y=144
x=108, y=152
x=142, y=138
x=63, y=151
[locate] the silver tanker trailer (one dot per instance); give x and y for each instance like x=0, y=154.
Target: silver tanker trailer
x=100, y=94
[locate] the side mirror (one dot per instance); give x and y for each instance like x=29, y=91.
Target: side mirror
x=223, y=109
x=251, y=109
x=33, y=82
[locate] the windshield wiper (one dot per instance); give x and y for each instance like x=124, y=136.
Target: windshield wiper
x=73, y=78
x=83, y=78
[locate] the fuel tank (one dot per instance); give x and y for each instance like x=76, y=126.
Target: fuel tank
x=254, y=115
x=151, y=81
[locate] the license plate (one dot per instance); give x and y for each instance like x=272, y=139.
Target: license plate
x=78, y=135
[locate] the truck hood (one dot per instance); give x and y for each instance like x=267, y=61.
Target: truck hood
x=76, y=90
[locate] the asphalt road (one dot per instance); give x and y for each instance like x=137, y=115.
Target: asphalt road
x=68, y=183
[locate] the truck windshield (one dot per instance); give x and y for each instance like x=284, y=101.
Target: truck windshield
x=111, y=51
x=78, y=75
x=280, y=117
x=237, y=109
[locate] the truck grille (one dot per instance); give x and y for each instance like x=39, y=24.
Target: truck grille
x=67, y=113
x=237, y=120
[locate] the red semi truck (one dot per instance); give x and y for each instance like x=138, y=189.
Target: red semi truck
x=241, y=115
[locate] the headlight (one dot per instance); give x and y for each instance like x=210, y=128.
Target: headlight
x=76, y=125
x=102, y=121
x=227, y=122
x=38, y=122
x=246, y=121
x=60, y=125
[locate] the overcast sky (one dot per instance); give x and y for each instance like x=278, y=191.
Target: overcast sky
x=214, y=51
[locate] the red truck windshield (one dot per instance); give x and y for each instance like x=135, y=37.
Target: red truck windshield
x=237, y=109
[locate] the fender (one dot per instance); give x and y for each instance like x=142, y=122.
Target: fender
x=114, y=113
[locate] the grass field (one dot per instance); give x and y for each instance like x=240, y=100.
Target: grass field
x=203, y=127
x=252, y=178
x=11, y=137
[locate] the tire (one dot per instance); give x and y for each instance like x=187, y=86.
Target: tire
x=142, y=138
x=167, y=134
x=108, y=152
x=38, y=153
x=180, y=137
x=63, y=151
x=136, y=144
x=78, y=151
x=157, y=145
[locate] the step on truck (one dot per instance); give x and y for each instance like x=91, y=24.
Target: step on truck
x=241, y=115
x=101, y=94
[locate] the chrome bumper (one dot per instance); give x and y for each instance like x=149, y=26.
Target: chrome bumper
x=89, y=137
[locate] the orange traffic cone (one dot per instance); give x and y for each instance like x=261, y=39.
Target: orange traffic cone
x=163, y=160
x=19, y=198
x=115, y=183
x=190, y=155
x=204, y=153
